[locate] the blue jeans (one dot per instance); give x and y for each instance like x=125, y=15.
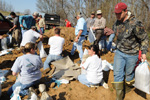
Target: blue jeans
x=42, y=29
x=24, y=88
x=111, y=37
x=51, y=58
x=82, y=79
x=78, y=46
x=124, y=65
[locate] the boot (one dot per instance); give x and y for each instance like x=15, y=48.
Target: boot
x=129, y=86
x=119, y=87
x=45, y=95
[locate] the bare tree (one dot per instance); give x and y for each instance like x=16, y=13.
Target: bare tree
x=27, y=12
x=69, y=8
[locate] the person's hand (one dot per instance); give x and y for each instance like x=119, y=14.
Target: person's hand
x=94, y=28
x=76, y=39
x=143, y=57
x=10, y=30
x=21, y=25
x=1, y=37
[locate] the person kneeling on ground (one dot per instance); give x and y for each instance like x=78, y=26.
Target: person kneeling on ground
x=93, y=67
x=56, y=46
x=28, y=66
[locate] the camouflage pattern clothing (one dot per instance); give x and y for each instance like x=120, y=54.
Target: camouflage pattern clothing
x=131, y=36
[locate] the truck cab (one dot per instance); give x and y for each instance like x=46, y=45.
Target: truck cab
x=52, y=20
x=5, y=25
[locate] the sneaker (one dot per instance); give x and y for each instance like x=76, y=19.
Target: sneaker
x=105, y=85
x=96, y=85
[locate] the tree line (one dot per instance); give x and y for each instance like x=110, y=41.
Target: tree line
x=67, y=9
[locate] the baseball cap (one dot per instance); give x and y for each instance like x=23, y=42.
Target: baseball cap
x=92, y=13
x=33, y=27
x=120, y=7
x=78, y=14
x=35, y=14
x=99, y=12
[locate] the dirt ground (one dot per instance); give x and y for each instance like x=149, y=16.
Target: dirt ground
x=74, y=90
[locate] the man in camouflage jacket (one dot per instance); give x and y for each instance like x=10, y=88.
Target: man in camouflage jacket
x=131, y=37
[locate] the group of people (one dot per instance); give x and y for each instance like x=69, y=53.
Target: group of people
x=24, y=23
x=130, y=34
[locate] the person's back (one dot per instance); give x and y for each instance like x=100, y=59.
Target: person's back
x=30, y=36
x=29, y=66
x=94, y=69
x=27, y=21
x=56, y=45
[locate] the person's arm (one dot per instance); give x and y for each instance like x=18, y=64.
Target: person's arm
x=79, y=34
x=44, y=24
x=143, y=37
x=16, y=67
x=86, y=63
x=1, y=36
x=21, y=18
x=13, y=28
x=80, y=27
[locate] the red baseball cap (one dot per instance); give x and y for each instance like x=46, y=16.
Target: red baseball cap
x=119, y=7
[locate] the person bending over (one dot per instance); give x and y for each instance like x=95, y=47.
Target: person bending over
x=28, y=66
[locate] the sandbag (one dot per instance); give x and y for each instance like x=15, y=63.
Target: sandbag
x=4, y=43
x=91, y=36
x=41, y=49
x=0, y=90
x=16, y=94
x=142, y=77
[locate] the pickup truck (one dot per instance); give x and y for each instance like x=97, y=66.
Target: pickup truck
x=52, y=20
x=5, y=25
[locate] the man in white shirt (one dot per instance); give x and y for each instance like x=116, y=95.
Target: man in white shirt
x=30, y=36
x=56, y=46
x=93, y=67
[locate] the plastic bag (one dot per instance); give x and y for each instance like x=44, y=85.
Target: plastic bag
x=34, y=97
x=142, y=77
x=16, y=94
x=41, y=49
x=106, y=66
x=0, y=90
x=4, y=43
x=91, y=36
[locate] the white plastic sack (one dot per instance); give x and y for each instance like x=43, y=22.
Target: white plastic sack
x=106, y=66
x=41, y=49
x=0, y=90
x=4, y=43
x=34, y=97
x=16, y=94
x=91, y=36
x=142, y=77
x=85, y=52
